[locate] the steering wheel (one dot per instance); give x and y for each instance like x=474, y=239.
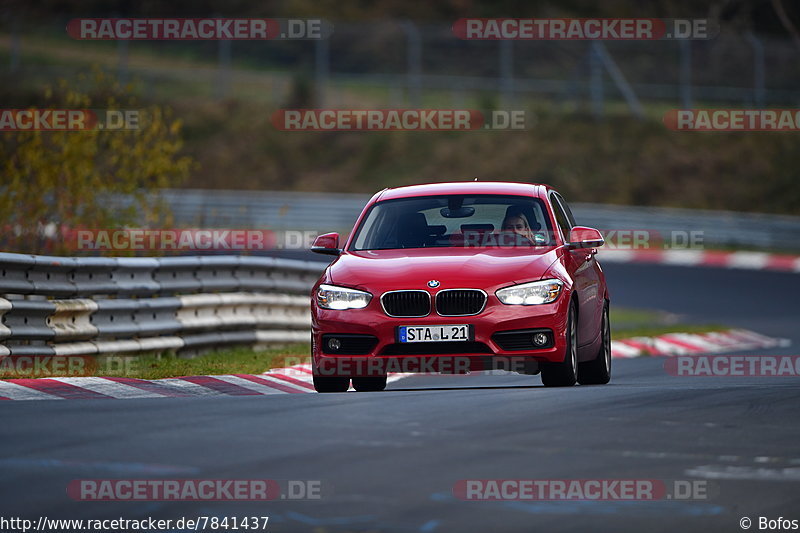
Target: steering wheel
x=516, y=239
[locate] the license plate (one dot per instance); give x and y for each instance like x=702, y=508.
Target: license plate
x=448, y=333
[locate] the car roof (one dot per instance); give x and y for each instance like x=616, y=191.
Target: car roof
x=466, y=187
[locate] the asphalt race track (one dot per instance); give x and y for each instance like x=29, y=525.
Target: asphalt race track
x=389, y=461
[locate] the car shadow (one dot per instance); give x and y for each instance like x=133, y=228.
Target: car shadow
x=494, y=387
x=481, y=387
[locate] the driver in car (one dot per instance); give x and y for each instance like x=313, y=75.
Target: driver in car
x=517, y=231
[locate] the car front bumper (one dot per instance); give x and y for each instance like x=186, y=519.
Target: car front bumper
x=368, y=340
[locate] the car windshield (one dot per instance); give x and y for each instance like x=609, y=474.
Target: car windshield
x=454, y=221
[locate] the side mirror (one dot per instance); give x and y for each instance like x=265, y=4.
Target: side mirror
x=583, y=237
x=327, y=244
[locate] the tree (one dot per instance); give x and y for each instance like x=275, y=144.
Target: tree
x=54, y=182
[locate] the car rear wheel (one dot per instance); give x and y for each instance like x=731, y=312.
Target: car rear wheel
x=598, y=371
x=565, y=374
x=369, y=384
x=331, y=384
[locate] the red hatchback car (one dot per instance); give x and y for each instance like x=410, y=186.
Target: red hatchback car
x=453, y=277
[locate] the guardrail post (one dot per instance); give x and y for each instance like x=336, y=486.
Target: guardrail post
x=759, y=89
x=596, y=81
x=322, y=66
x=414, y=61
x=224, y=69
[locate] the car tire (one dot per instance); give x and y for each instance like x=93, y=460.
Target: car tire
x=331, y=384
x=369, y=384
x=565, y=374
x=598, y=370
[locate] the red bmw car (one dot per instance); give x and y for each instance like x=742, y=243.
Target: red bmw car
x=453, y=277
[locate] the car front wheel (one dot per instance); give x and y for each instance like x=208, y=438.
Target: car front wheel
x=331, y=383
x=369, y=384
x=565, y=374
x=598, y=371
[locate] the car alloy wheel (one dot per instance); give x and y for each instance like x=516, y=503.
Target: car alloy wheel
x=565, y=374
x=598, y=370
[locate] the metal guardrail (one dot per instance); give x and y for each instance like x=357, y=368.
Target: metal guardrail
x=87, y=306
x=324, y=212
x=717, y=228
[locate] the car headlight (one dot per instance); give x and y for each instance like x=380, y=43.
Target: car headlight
x=332, y=297
x=535, y=293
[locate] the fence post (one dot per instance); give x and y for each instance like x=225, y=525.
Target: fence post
x=686, y=73
x=759, y=90
x=224, y=69
x=322, y=58
x=414, y=61
x=596, y=81
x=122, y=69
x=13, y=60
x=507, y=70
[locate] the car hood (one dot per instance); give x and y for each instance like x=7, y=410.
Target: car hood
x=483, y=268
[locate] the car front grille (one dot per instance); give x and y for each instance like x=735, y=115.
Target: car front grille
x=460, y=302
x=406, y=303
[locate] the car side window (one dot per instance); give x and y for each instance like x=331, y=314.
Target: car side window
x=561, y=217
x=567, y=210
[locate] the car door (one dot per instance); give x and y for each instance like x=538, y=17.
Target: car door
x=582, y=266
